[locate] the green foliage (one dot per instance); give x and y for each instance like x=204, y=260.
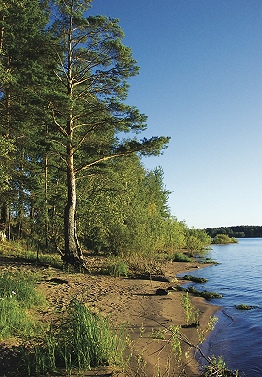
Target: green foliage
x=144, y=265
x=181, y=257
x=208, y=261
x=54, y=113
x=22, y=285
x=14, y=321
x=202, y=333
x=21, y=249
x=82, y=341
x=128, y=212
x=17, y=295
x=191, y=313
x=158, y=334
x=194, y=279
x=223, y=239
x=197, y=241
x=217, y=367
x=237, y=231
x=206, y=294
x=118, y=269
x=6, y=149
x=90, y=339
x=176, y=342
x=245, y=307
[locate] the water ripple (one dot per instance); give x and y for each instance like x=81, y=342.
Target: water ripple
x=238, y=333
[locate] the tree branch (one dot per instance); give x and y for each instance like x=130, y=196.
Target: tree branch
x=102, y=160
x=61, y=129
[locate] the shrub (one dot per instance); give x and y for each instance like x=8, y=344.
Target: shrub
x=197, y=241
x=217, y=368
x=144, y=265
x=223, y=239
x=191, y=313
x=181, y=257
x=118, y=269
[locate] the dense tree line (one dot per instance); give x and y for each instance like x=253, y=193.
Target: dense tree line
x=247, y=231
x=70, y=174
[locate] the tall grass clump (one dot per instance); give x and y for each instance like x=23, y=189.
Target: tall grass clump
x=17, y=295
x=84, y=340
x=88, y=340
x=118, y=268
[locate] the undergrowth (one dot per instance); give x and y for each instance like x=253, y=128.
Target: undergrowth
x=22, y=250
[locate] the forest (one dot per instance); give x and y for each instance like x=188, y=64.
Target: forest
x=246, y=231
x=71, y=148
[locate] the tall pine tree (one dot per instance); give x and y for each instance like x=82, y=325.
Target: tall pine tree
x=88, y=106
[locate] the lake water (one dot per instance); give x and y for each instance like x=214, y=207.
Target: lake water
x=238, y=277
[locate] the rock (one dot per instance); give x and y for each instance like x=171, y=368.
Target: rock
x=161, y=292
x=58, y=281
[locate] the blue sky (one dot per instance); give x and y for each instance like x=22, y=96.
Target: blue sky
x=200, y=82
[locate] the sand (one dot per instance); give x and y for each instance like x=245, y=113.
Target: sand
x=146, y=315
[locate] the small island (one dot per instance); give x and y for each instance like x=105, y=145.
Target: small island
x=223, y=239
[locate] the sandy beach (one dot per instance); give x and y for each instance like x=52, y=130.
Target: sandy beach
x=146, y=315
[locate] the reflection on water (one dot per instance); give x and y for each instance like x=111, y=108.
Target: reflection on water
x=238, y=333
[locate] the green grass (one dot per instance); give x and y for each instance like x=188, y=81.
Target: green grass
x=53, y=260
x=22, y=250
x=17, y=296
x=15, y=321
x=84, y=340
x=21, y=286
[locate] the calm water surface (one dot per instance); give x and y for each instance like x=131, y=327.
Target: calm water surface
x=238, y=333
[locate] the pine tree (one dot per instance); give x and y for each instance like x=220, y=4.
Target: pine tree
x=88, y=106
